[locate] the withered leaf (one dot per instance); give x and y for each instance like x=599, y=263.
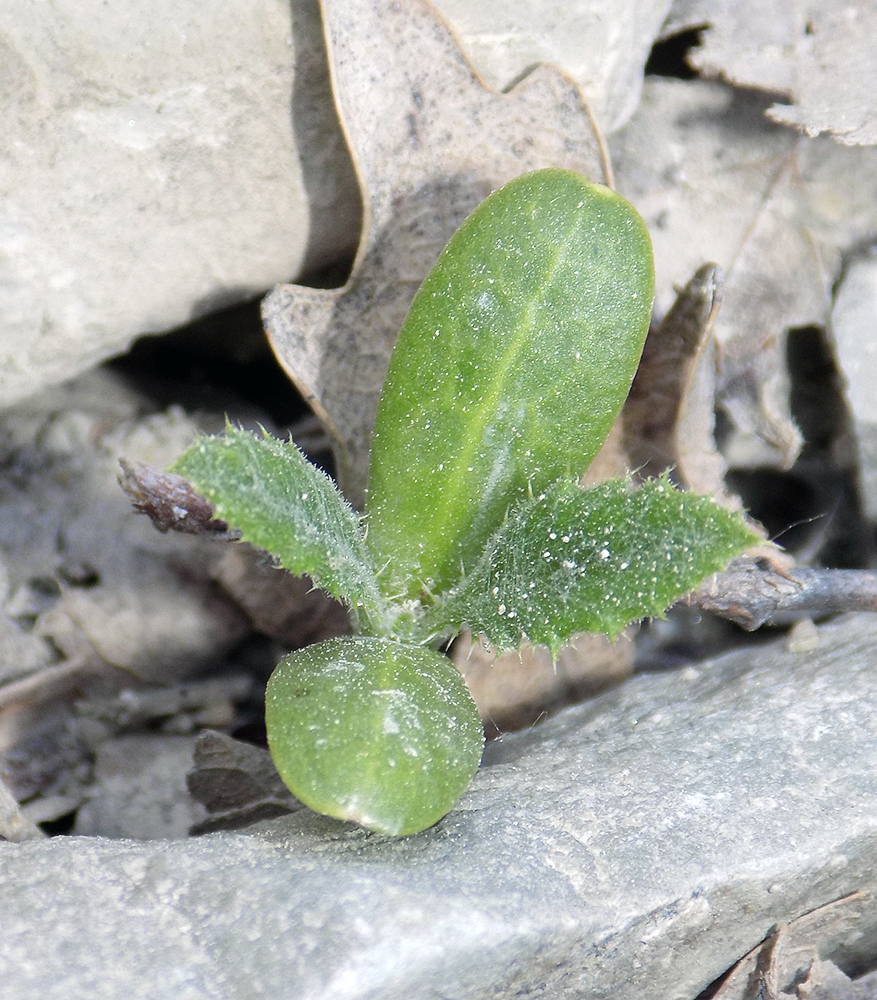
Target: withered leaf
x=515, y=690
x=170, y=501
x=236, y=782
x=791, y=954
x=716, y=181
x=818, y=55
x=669, y=415
x=604, y=55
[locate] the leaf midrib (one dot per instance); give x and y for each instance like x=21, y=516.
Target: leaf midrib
x=457, y=477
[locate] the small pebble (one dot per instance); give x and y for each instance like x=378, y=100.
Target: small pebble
x=803, y=637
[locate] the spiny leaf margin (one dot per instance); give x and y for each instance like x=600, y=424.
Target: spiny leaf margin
x=592, y=560
x=279, y=501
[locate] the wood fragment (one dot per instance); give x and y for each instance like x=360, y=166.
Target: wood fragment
x=753, y=592
x=59, y=682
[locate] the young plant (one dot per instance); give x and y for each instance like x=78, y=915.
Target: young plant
x=513, y=362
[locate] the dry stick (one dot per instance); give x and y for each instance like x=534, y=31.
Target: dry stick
x=752, y=592
x=50, y=683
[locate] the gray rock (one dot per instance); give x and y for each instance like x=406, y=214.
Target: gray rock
x=158, y=162
x=163, y=161
x=141, y=789
x=633, y=847
x=854, y=324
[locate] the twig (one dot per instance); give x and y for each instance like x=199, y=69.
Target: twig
x=753, y=591
x=51, y=683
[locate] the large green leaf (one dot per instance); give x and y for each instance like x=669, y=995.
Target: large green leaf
x=280, y=502
x=594, y=560
x=515, y=357
x=373, y=731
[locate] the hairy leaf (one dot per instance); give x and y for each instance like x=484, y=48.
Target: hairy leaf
x=576, y=560
x=532, y=320
x=280, y=502
x=373, y=731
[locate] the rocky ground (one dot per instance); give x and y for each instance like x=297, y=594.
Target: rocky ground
x=705, y=824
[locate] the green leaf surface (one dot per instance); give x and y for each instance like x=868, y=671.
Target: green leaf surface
x=373, y=731
x=280, y=502
x=515, y=357
x=576, y=560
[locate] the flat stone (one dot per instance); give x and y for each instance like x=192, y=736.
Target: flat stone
x=159, y=163
x=635, y=846
x=140, y=789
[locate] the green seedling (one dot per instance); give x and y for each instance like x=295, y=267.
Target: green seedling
x=512, y=364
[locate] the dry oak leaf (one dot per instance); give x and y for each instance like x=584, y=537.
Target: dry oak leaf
x=429, y=141
x=669, y=416
x=819, y=54
x=602, y=46
x=717, y=181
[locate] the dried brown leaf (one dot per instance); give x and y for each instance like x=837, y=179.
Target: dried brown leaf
x=604, y=55
x=750, y=42
x=429, y=141
x=835, y=74
x=819, y=54
x=716, y=181
x=236, y=782
x=669, y=416
x=515, y=690
x=854, y=330
x=787, y=964
x=285, y=607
